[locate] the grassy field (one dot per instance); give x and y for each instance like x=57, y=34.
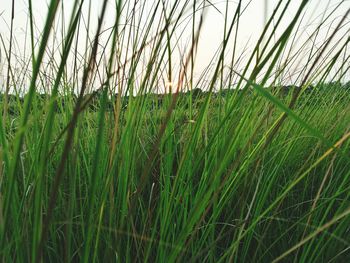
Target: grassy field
x=256, y=173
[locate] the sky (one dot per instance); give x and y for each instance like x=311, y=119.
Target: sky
x=251, y=25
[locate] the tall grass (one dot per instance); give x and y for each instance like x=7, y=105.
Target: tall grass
x=102, y=168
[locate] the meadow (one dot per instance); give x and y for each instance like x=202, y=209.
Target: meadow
x=240, y=165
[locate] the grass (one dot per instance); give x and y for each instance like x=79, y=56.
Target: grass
x=258, y=173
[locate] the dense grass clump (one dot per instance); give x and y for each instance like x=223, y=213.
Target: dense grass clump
x=98, y=164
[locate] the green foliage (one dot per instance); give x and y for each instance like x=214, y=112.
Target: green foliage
x=252, y=174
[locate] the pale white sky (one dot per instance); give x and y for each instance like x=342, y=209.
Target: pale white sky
x=251, y=24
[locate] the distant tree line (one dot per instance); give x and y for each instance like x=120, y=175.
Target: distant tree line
x=92, y=101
